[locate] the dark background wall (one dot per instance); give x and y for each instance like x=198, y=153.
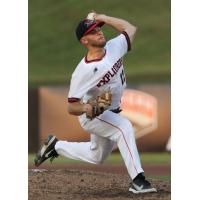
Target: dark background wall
x=33, y=120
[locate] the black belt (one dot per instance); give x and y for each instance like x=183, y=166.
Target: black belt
x=117, y=110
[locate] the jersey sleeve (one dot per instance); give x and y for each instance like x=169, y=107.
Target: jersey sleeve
x=77, y=89
x=120, y=45
x=79, y=86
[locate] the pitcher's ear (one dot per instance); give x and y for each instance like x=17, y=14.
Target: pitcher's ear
x=83, y=41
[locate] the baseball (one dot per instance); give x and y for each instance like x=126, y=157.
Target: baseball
x=90, y=16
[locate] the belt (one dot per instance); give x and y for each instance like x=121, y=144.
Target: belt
x=117, y=110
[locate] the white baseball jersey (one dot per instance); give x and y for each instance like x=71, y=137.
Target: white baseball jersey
x=90, y=79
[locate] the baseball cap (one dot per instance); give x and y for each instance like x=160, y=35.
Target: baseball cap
x=85, y=26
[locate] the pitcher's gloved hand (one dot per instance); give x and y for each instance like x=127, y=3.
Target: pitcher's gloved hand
x=99, y=105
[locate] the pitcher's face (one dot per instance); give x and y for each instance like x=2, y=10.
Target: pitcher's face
x=95, y=38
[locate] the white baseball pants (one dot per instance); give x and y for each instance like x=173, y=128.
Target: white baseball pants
x=106, y=130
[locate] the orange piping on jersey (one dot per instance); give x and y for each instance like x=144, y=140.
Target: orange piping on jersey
x=123, y=137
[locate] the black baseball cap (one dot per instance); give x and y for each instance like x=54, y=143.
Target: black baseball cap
x=85, y=26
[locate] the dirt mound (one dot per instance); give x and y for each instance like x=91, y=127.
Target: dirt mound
x=87, y=185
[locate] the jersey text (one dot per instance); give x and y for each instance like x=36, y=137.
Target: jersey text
x=110, y=73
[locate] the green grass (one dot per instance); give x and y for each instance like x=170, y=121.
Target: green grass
x=156, y=158
x=161, y=177
x=115, y=158
x=54, y=51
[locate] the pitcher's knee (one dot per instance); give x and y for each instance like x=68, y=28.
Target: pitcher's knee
x=97, y=160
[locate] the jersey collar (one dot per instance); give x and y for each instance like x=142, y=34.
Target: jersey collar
x=95, y=60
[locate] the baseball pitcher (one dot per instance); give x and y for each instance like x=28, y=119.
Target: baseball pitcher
x=96, y=89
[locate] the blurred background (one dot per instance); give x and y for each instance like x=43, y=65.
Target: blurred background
x=54, y=53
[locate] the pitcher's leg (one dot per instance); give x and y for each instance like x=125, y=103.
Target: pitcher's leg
x=128, y=149
x=94, y=151
x=120, y=130
x=101, y=147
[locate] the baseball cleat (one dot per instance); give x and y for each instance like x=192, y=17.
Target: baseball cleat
x=46, y=151
x=141, y=185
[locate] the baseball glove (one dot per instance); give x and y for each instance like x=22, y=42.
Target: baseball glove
x=100, y=104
